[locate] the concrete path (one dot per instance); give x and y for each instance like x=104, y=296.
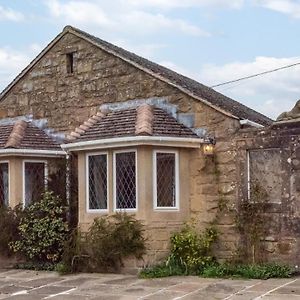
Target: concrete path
x=31, y=285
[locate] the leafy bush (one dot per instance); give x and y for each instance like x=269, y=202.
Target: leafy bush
x=42, y=230
x=192, y=250
x=191, y=253
x=73, y=253
x=263, y=271
x=108, y=242
x=9, y=221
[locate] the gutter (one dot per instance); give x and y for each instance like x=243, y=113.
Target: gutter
x=134, y=141
x=31, y=152
x=250, y=123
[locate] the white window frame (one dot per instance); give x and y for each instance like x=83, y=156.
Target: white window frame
x=115, y=181
x=7, y=162
x=87, y=183
x=45, y=162
x=177, y=188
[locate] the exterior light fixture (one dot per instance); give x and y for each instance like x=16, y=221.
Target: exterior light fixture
x=208, y=148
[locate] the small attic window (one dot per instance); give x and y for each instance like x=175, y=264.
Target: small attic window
x=70, y=62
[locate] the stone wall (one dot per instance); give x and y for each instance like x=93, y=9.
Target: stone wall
x=66, y=100
x=277, y=148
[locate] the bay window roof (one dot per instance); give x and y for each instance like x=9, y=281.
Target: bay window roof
x=22, y=137
x=144, y=124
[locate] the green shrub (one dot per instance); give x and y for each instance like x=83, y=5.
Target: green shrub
x=103, y=248
x=192, y=250
x=42, y=230
x=9, y=221
x=191, y=253
x=72, y=253
x=111, y=239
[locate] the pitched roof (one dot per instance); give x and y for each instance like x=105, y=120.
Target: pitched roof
x=142, y=121
x=23, y=135
x=187, y=85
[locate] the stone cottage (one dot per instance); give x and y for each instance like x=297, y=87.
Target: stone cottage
x=143, y=135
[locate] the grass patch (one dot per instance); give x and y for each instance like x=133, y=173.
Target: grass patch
x=264, y=271
x=36, y=266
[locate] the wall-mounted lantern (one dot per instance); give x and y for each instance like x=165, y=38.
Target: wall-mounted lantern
x=208, y=147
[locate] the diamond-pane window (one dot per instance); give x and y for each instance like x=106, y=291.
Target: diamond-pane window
x=3, y=184
x=35, y=181
x=97, y=181
x=165, y=192
x=125, y=180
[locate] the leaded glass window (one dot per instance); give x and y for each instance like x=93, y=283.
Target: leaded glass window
x=4, y=184
x=97, y=182
x=125, y=180
x=35, y=181
x=165, y=193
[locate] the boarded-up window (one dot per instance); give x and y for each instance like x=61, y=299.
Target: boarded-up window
x=265, y=171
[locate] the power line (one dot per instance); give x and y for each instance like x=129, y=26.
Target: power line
x=255, y=75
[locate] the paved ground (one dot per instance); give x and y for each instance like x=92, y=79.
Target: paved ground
x=30, y=285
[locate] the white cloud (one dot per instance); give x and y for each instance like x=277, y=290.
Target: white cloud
x=144, y=22
x=79, y=12
x=8, y=14
x=169, y=4
x=11, y=63
x=288, y=7
x=270, y=94
x=118, y=16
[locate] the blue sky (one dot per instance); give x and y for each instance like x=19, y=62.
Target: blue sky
x=211, y=41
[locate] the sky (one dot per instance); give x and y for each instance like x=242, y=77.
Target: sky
x=211, y=41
